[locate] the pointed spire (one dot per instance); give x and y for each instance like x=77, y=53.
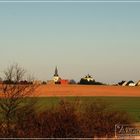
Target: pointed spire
x=56, y=71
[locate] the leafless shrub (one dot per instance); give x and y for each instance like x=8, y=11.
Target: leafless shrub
x=99, y=121
x=13, y=94
x=26, y=124
x=66, y=121
x=59, y=122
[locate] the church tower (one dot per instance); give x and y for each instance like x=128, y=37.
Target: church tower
x=56, y=72
x=56, y=77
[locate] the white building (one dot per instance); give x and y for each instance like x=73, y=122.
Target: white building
x=138, y=83
x=131, y=84
x=88, y=78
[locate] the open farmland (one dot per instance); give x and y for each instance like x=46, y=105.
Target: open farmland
x=86, y=90
x=120, y=98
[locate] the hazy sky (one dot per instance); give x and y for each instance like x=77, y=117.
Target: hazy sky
x=102, y=39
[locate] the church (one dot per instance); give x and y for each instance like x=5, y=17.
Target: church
x=57, y=79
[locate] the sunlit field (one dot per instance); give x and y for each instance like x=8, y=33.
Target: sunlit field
x=86, y=90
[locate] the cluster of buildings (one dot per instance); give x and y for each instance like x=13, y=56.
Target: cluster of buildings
x=129, y=83
x=57, y=79
x=88, y=79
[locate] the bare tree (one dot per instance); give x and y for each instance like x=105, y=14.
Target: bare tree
x=13, y=95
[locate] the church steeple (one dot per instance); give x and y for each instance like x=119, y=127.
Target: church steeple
x=56, y=77
x=56, y=71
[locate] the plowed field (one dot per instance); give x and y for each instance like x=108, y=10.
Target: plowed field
x=86, y=90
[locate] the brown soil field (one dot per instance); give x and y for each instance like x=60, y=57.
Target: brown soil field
x=86, y=90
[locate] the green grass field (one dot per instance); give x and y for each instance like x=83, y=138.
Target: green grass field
x=131, y=105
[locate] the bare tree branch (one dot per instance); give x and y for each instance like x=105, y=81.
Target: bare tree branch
x=14, y=93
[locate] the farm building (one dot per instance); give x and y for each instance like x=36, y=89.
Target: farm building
x=50, y=82
x=64, y=82
x=138, y=83
x=130, y=83
x=125, y=83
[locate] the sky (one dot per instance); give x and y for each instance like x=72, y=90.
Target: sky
x=100, y=39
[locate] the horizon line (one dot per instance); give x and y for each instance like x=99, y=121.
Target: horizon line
x=71, y=1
